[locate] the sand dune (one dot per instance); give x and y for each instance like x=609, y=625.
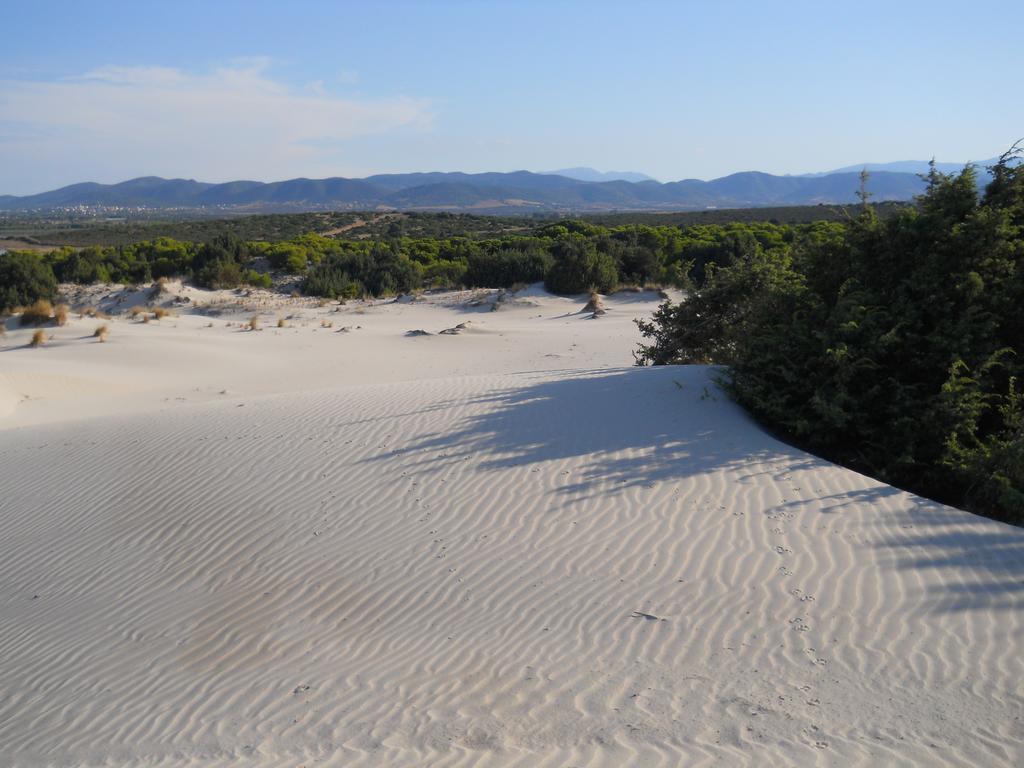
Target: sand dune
x=504, y=547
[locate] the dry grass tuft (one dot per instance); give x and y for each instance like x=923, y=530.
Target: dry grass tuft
x=60, y=314
x=326, y=323
x=37, y=314
x=282, y=323
x=38, y=338
x=145, y=318
x=159, y=313
x=595, y=303
x=134, y=312
x=101, y=332
x=254, y=323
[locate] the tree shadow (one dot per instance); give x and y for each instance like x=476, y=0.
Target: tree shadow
x=679, y=425
x=625, y=298
x=979, y=562
x=638, y=427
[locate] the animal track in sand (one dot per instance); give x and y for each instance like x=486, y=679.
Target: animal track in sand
x=799, y=624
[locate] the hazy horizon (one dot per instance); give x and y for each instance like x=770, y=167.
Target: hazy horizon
x=512, y=170
x=115, y=91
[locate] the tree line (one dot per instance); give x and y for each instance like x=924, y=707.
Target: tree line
x=568, y=256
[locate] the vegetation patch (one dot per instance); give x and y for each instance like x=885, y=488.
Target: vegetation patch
x=895, y=346
x=39, y=312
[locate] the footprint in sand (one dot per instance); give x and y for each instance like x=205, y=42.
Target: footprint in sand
x=815, y=659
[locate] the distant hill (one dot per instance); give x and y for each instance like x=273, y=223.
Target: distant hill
x=515, y=192
x=908, y=166
x=589, y=174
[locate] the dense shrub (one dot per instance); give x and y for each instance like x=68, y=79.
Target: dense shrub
x=381, y=270
x=24, y=278
x=894, y=346
x=506, y=267
x=331, y=279
x=579, y=267
x=445, y=274
x=220, y=263
x=288, y=257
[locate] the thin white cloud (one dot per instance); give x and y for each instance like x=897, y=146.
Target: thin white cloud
x=232, y=122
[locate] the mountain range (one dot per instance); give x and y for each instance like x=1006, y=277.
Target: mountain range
x=908, y=166
x=589, y=174
x=515, y=192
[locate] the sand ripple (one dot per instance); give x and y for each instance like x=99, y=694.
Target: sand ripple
x=569, y=568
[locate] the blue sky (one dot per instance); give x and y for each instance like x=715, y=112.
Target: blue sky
x=106, y=91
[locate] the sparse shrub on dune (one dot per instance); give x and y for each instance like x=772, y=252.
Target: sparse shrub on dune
x=159, y=288
x=595, y=303
x=37, y=313
x=326, y=323
x=38, y=338
x=60, y=314
x=145, y=317
x=101, y=332
x=159, y=313
x=134, y=312
x=282, y=322
x=254, y=323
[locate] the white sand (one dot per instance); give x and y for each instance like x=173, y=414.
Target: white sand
x=503, y=547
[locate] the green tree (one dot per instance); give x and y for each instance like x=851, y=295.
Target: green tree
x=24, y=279
x=579, y=267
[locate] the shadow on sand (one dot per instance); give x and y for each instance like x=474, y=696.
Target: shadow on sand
x=633, y=427
x=637, y=427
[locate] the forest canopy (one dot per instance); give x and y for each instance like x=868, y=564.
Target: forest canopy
x=569, y=256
